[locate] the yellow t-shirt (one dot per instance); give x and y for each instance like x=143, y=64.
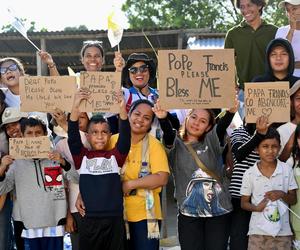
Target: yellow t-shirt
x=135, y=205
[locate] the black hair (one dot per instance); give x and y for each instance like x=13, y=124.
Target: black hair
x=260, y=3
x=272, y=133
x=296, y=148
x=95, y=119
x=33, y=121
x=92, y=43
x=3, y=105
x=135, y=104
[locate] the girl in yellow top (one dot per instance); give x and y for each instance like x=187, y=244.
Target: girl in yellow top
x=145, y=171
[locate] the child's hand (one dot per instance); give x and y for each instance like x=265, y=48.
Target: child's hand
x=70, y=226
x=127, y=188
x=80, y=205
x=158, y=111
x=261, y=206
x=81, y=94
x=5, y=162
x=274, y=195
x=262, y=125
x=55, y=156
x=60, y=117
x=235, y=108
x=121, y=101
x=46, y=58
x=119, y=61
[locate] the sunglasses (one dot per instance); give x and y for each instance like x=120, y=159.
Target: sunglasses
x=12, y=67
x=141, y=69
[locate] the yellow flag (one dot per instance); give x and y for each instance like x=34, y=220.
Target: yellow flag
x=115, y=28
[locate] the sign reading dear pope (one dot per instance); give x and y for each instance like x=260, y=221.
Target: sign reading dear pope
x=196, y=78
x=46, y=93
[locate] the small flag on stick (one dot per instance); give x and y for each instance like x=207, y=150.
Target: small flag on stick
x=18, y=25
x=115, y=27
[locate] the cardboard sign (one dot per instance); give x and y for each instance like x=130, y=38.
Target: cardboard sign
x=46, y=93
x=104, y=88
x=30, y=147
x=271, y=99
x=196, y=78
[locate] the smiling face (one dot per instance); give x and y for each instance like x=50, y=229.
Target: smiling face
x=141, y=77
x=250, y=11
x=92, y=59
x=140, y=119
x=292, y=12
x=197, y=124
x=13, y=130
x=98, y=135
x=10, y=75
x=279, y=60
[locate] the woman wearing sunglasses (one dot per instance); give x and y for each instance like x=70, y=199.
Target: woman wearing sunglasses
x=137, y=76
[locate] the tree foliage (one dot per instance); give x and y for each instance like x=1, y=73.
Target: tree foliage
x=215, y=15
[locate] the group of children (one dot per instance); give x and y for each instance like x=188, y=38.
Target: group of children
x=105, y=189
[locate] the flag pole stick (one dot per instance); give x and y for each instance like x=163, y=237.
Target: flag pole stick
x=33, y=44
x=150, y=43
x=118, y=47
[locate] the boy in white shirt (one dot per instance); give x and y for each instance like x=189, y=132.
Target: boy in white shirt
x=267, y=189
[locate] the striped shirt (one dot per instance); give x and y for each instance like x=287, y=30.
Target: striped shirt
x=244, y=157
x=58, y=231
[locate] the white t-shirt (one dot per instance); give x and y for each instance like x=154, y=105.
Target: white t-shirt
x=282, y=33
x=255, y=184
x=285, y=131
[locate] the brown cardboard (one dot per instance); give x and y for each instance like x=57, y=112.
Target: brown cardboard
x=267, y=98
x=196, y=78
x=29, y=147
x=104, y=88
x=46, y=93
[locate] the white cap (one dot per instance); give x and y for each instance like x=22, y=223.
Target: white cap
x=292, y=2
x=11, y=114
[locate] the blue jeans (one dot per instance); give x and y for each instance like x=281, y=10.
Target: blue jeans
x=44, y=243
x=6, y=232
x=139, y=237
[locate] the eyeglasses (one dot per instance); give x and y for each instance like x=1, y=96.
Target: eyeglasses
x=12, y=67
x=141, y=69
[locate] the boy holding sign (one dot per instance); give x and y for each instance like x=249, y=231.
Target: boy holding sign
x=39, y=188
x=102, y=226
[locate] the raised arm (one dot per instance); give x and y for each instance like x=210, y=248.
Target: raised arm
x=169, y=133
x=241, y=149
x=74, y=139
x=47, y=59
x=225, y=121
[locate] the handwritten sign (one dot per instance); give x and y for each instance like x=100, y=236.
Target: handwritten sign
x=29, y=147
x=46, y=93
x=271, y=99
x=104, y=87
x=196, y=78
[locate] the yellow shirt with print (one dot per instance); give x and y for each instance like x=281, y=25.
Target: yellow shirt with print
x=135, y=205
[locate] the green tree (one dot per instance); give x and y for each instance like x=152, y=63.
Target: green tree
x=215, y=15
